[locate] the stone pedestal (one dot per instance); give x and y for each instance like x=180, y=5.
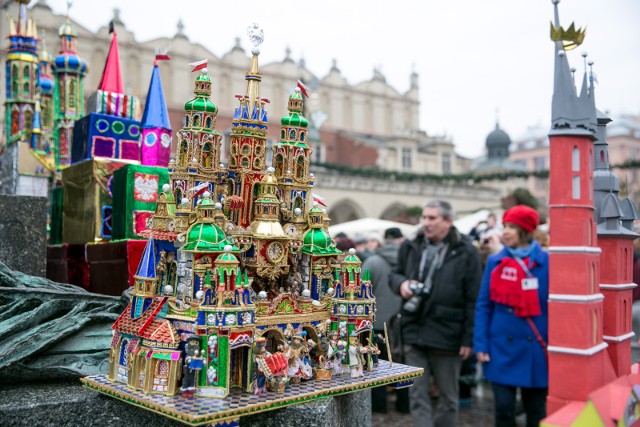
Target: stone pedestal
x=71, y=405
x=23, y=233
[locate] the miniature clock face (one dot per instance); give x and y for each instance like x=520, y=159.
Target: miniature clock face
x=275, y=252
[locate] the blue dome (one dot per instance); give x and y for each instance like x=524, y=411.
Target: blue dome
x=46, y=85
x=69, y=63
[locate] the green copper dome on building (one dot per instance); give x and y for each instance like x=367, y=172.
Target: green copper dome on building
x=318, y=242
x=201, y=102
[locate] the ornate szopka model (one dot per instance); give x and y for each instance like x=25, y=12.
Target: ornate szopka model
x=237, y=255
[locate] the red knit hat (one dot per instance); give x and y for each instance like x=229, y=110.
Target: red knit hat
x=522, y=216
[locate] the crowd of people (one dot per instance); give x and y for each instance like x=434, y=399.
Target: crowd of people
x=456, y=300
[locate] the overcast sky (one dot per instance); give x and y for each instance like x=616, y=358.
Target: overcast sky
x=478, y=60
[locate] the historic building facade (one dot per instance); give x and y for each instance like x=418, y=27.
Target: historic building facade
x=368, y=124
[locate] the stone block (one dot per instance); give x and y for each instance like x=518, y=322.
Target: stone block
x=69, y=404
x=23, y=234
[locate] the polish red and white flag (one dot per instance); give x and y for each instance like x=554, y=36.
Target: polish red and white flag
x=318, y=199
x=304, y=89
x=199, y=189
x=198, y=65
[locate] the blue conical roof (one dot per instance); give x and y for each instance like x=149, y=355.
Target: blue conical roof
x=147, y=266
x=155, y=109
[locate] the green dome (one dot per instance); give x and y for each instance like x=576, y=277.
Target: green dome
x=206, y=237
x=227, y=257
x=294, y=119
x=318, y=242
x=200, y=103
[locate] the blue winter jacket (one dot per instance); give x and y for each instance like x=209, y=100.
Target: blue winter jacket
x=517, y=359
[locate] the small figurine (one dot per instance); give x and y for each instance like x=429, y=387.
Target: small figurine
x=193, y=363
x=335, y=353
x=299, y=364
x=262, y=370
x=356, y=360
x=374, y=351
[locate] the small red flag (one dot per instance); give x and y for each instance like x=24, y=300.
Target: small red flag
x=303, y=89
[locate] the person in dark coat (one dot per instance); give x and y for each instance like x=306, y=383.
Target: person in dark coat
x=438, y=275
x=511, y=320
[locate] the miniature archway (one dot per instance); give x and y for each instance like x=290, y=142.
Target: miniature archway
x=274, y=338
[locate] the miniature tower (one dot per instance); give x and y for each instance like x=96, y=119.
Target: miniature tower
x=25, y=168
x=248, y=148
x=616, y=242
x=145, y=281
x=156, y=128
x=319, y=256
x=111, y=128
x=69, y=70
x=46, y=100
x=198, y=150
x=269, y=255
x=291, y=158
x=575, y=302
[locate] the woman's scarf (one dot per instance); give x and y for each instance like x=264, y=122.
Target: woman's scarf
x=506, y=287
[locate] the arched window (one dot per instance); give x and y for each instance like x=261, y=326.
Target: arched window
x=26, y=90
x=25, y=72
x=208, y=122
x=278, y=164
x=206, y=156
x=300, y=167
x=575, y=159
x=182, y=153
x=196, y=120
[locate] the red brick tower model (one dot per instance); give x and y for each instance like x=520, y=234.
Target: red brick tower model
x=615, y=237
x=575, y=303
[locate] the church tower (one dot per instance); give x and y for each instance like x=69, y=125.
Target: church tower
x=156, y=127
x=197, y=152
x=291, y=157
x=69, y=71
x=248, y=148
x=575, y=303
x=24, y=168
x=616, y=242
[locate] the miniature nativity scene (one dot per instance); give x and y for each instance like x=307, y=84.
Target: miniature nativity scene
x=240, y=289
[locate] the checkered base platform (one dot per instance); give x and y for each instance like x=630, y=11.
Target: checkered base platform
x=227, y=412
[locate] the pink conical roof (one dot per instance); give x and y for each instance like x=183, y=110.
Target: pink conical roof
x=111, y=80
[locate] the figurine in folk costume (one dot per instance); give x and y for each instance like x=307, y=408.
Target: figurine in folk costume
x=193, y=363
x=356, y=358
x=335, y=353
x=299, y=364
x=262, y=371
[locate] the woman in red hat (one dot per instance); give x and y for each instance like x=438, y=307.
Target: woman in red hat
x=510, y=332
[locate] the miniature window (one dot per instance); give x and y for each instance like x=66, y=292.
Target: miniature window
x=279, y=164
x=25, y=72
x=283, y=134
x=208, y=122
x=245, y=150
x=28, y=121
x=300, y=167
x=245, y=162
x=302, y=136
x=575, y=159
x=196, y=120
x=292, y=134
x=575, y=187
x=182, y=154
x=73, y=93
x=206, y=155
x=186, y=121
x=26, y=90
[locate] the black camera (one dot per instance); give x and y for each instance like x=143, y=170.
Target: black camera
x=420, y=291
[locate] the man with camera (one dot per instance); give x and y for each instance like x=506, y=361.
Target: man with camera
x=438, y=275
